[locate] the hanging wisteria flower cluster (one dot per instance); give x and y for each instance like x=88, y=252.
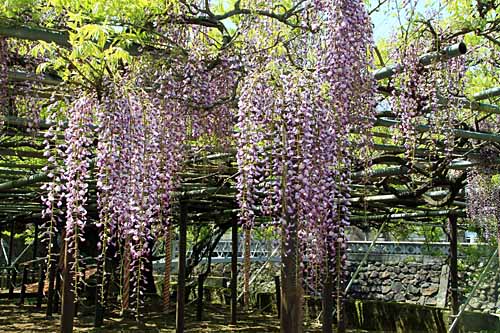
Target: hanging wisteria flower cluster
x=4, y=78
x=295, y=135
x=53, y=200
x=408, y=98
x=482, y=193
x=79, y=138
x=141, y=142
x=426, y=96
x=26, y=101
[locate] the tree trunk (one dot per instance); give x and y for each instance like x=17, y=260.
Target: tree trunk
x=68, y=297
x=327, y=297
x=181, y=283
x=340, y=289
x=126, y=278
x=234, y=271
x=455, y=304
x=291, y=314
x=168, y=267
x=246, y=269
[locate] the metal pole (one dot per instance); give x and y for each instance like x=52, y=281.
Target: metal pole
x=11, y=271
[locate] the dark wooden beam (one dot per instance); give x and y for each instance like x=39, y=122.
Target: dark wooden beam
x=24, y=281
x=41, y=283
x=50, y=293
x=68, y=292
x=327, y=297
x=181, y=283
x=61, y=38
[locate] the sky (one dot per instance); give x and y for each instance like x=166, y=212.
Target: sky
x=386, y=22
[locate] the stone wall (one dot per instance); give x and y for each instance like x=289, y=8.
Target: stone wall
x=486, y=299
x=409, y=282
x=421, y=280
x=394, y=273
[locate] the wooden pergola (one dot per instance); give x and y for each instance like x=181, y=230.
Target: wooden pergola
x=427, y=187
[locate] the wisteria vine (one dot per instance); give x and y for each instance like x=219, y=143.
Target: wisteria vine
x=482, y=193
x=141, y=142
x=294, y=136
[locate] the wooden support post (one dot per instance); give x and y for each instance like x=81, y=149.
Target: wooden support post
x=291, y=314
x=278, y=293
x=455, y=304
x=327, y=297
x=23, y=285
x=234, y=272
x=51, y=291
x=99, y=309
x=12, y=285
x=199, y=303
x=168, y=268
x=79, y=283
x=246, y=268
x=341, y=327
x=35, y=242
x=57, y=291
x=68, y=293
x=126, y=278
x=225, y=299
x=181, y=283
x=41, y=283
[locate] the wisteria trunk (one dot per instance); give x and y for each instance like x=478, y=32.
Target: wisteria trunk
x=291, y=303
x=340, y=288
x=168, y=263
x=181, y=280
x=68, y=296
x=126, y=279
x=234, y=272
x=327, y=297
x=246, y=269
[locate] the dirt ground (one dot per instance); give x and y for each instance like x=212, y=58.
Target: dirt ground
x=15, y=318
